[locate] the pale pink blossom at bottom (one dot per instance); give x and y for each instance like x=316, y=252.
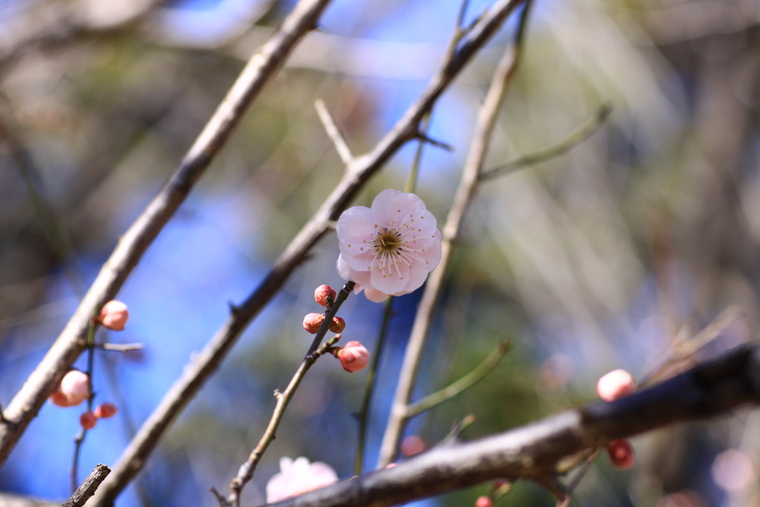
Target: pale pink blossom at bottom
x=483, y=501
x=298, y=477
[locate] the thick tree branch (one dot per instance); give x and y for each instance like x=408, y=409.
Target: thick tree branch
x=356, y=175
x=70, y=344
x=533, y=451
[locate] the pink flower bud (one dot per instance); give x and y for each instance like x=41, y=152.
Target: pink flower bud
x=483, y=501
x=73, y=389
x=615, y=385
x=337, y=325
x=620, y=453
x=412, y=445
x=88, y=420
x=324, y=295
x=312, y=322
x=114, y=315
x=105, y=410
x=353, y=357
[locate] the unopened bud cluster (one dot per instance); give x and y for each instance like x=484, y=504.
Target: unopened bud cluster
x=353, y=356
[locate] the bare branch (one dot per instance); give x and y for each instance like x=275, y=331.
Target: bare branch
x=464, y=383
x=245, y=473
x=465, y=193
x=575, y=137
x=88, y=487
x=71, y=343
x=333, y=132
x=533, y=451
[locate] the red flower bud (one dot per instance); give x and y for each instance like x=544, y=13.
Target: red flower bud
x=353, y=356
x=88, y=420
x=114, y=315
x=615, y=385
x=337, y=325
x=73, y=389
x=324, y=295
x=620, y=453
x=312, y=322
x=105, y=410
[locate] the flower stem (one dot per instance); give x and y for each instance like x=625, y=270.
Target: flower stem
x=79, y=440
x=369, y=388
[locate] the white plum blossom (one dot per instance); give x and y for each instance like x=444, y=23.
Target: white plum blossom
x=388, y=249
x=298, y=477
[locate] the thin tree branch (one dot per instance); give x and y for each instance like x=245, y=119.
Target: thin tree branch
x=465, y=193
x=356, y=175
x=464, y=383
x=333, y=132
x=88, y=487
x=71, y=343
x=574, y=138
x=245, y=472
x=534, y=451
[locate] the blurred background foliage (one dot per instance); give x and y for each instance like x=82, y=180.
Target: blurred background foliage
x=592, y=261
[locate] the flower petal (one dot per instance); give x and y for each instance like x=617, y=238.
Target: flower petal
x=391, y=278
x=375, y=295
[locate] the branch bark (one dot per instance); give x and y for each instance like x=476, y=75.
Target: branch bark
x=533, y=451
x=71, y=342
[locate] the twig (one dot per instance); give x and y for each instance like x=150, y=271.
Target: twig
x=689, y=346
x=70, y=344
x=465, y=193
x=120, y=347
x=533, y=451
x=356, y=175
x=88, y=487
x=575, y=137
x=460, y=385
x=245, y=473
x=333, y=132
x=570, y=489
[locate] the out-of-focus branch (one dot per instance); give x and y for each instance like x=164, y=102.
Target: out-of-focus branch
x=534, y=451
x=356, y=175
x=334, y=132
x=464, y=383
x=465, y=193
x=70, y=344
x=573, y=138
